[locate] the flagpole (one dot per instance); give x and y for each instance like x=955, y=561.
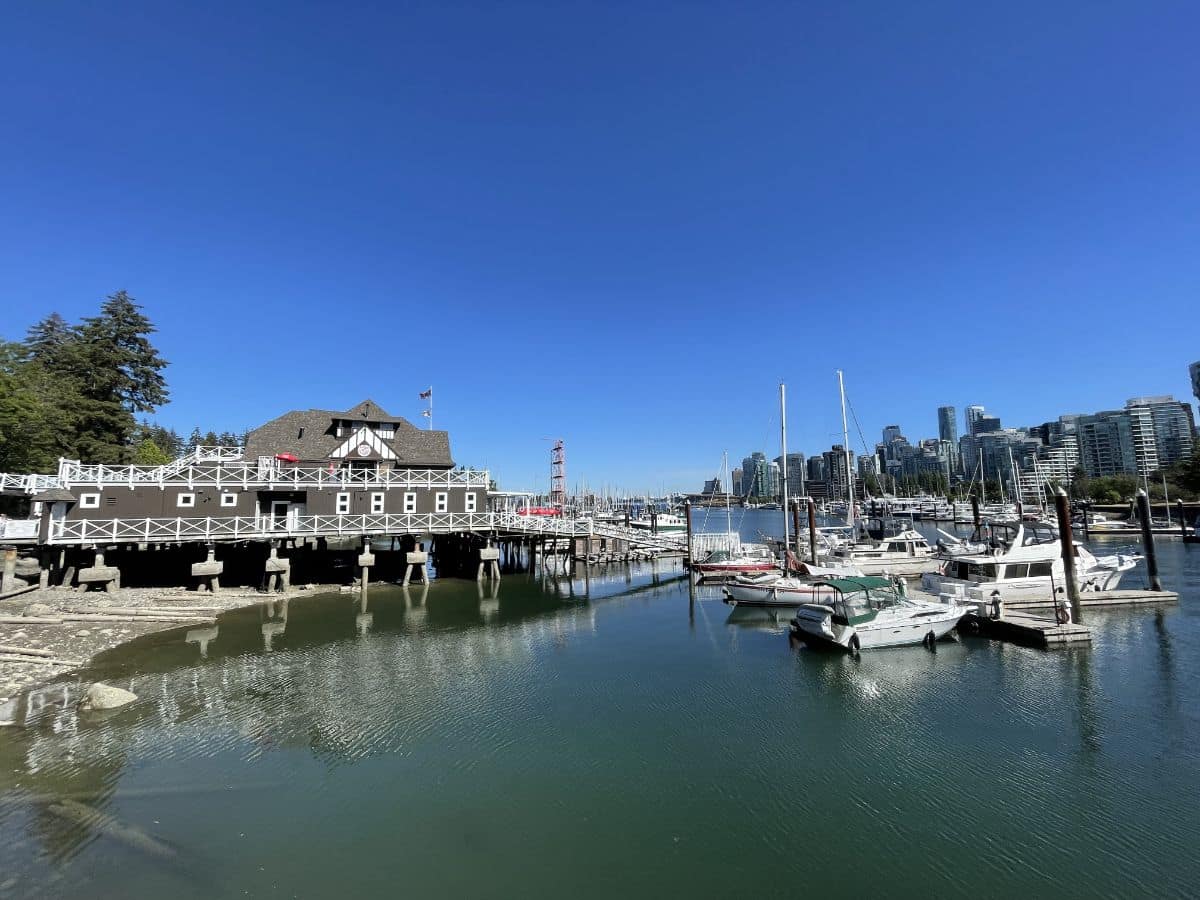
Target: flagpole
x=431, y=407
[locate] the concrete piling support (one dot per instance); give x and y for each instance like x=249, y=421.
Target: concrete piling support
x=489, y=561
x=415, y=564
x=366, y=559
x=209, y=571
x=277, y=571
x=108, y=577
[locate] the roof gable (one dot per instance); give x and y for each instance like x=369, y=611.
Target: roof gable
x=363, y=439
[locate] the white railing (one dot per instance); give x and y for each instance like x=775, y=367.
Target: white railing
x=270, y=475
x=18, y=529
x=245, y=527
x=209, y=528
x=26, y=484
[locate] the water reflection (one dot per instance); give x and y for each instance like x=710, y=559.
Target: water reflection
x=579, y=707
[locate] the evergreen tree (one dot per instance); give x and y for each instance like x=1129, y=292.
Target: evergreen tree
x=119, y=374
x=51, y=343
x=148, y=453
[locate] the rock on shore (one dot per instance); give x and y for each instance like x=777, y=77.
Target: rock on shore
x=105, y=696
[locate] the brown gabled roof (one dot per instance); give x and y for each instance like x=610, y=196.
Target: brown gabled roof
x=369, y=411
x=310, y=434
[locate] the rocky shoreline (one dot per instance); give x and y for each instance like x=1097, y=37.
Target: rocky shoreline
x=46, y=633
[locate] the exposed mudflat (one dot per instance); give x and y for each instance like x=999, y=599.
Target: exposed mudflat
x=72, y=643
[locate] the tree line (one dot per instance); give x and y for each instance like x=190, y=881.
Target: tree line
x=77, y=391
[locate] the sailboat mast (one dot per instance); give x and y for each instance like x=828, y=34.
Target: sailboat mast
x=729, y=479
x=982, y=479
x=783, y=468
x=846, y=451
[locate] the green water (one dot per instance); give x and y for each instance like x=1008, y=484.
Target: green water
x=604, y=736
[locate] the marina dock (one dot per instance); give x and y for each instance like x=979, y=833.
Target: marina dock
x=1100, y=599
x=1024, y=628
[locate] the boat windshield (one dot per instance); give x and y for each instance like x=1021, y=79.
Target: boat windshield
x=860, y=606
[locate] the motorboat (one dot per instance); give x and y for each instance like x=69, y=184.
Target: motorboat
x=886, y=547
x=1022, y=561
x=662, y=522
x=724, y=563
x=869, y=613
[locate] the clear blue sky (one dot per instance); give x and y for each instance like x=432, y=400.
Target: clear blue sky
x=618, y=223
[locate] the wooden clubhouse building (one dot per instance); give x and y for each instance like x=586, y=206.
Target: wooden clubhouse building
x=305, y=482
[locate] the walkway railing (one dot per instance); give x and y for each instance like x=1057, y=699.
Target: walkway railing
x=210, y=528
x=26, y=484
x=268, y=475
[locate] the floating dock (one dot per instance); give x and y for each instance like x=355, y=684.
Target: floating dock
x=1098, y=599
x=1030, y=630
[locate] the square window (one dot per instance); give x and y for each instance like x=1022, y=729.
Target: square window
x=89, y=501
x=343, y=503
x=229, y=499
x=410, y=503
x=439, y=501
x=470, y=502
x=377, y=502
x=185, y=501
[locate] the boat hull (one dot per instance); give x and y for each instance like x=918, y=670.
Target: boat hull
x=905, y=567
x=900, y=632
x=775, y=596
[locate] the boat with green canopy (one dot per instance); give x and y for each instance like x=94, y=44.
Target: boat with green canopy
x=870, y=612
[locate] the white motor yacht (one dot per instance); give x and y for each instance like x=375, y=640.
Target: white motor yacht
x=1022, y=561
x=663, y=522
x=885, y=549
x=868, y=613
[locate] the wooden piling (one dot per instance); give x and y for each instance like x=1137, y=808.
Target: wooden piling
x=1067, y=539
x=8, y=578
x=1182, y=520
x=687, y=516
x=812, y=531
x=975, y=509
x=1143, y=506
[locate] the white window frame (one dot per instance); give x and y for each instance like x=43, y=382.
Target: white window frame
x=342, y=503
x=377, y=502
x=228, y=499
x=410, y=502
x=185, y=501
x=441, y=501
x=89, y=501
x=471, y=502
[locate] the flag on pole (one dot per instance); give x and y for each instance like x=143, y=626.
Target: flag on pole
x=426, y=413
x=425, y=395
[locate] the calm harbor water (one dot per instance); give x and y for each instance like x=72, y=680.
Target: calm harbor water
x=603, y=735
